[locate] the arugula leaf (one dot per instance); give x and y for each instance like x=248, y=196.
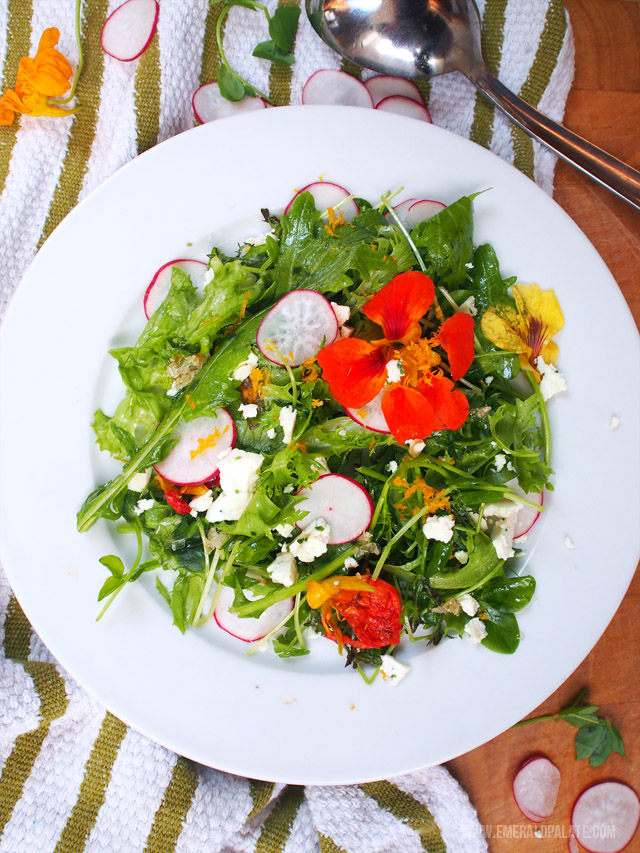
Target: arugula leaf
x=446, y=242
x=487, y=285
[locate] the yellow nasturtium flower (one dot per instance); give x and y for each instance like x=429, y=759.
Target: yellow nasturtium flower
x=528, y=327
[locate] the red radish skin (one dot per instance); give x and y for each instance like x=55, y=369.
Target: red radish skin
x=384, y=86
x=180, y=468
x=423, y=210
x=371, y=416
x=158, y=289
x=401, y=210
x=209, y=105
x=296, y=327
x=402, y=106
x=527, y=516
x=328, y=86
x=128, y=30
x=535, y=788
x=605, y=817
x=343, y=503
x=249, y=629
x=327, y=194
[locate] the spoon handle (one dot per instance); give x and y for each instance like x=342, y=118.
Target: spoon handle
x=593, y=161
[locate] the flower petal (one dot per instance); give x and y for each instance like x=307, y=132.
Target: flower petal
x=456, y=338
x=408, y=413
x=450, y=406
x=399, y=305
x=502, y=331
x=355, y=370
x=533, y=303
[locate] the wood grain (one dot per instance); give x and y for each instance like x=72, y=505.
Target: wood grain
x=604, y=106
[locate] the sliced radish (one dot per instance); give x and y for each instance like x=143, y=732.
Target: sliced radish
x=402, y=106
x=401, y=210
x=128, y=30
x=344, y=504
x=371, y=415
x=326, y=195
x=297, y=326
x=527, y=516
x=157, y=291
x=421, y=210
x=328, y=86
x=605, y=817
x=535, y=788
x=195, y=457
x=208, y=104
x=249, y=629
x=385, y=86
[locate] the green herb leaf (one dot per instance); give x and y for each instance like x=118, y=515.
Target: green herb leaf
x=270, y=50
x=114, y=564
x=283, y=26
x=231, y=86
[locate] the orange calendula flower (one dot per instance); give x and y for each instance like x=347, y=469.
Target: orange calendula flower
x=47, y=75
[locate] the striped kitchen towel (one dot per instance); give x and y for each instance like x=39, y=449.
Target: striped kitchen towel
x=72, y=776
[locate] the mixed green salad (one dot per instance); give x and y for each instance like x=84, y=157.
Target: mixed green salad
x=326, y=438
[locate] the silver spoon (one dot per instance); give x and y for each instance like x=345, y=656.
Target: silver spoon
x=425, y=38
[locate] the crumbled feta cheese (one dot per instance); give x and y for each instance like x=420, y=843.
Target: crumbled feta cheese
x=238, y=478
x=614, y=422
x=503, y=508
x=173, y=390
x=284, y=569
x=312, y=542
x=342, y=312
x=500, y=461
x=346, y=331
x=287, y=420
x=143, y=505
x=462, y=557
x=468, y=604
x=139, y=480
x=350, y=563
x=568, y=543
x=364, y=545
x=202, y=502
x=393, y=671
x=439, y=527
x=469, y=265
x=248, y=410
x=284, y=530
x=209, y=275
x=342, y=432
x=392, y=467
x=416, y=446
x=475, y=629
x=552, y=381
x=394, y=370
x=501, y=518
x=259, y=239
x=481, y=412
x=469, y=306
x=271, y=433
x=488, y=380
x=288, y=489
x=243, y=370
x=320, y=465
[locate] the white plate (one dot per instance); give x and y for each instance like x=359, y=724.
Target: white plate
x=306, y=720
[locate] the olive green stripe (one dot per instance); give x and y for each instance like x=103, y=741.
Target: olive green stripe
x=210, y=53
x=261, y=793
x=93, y=787
x=405, y=808
x=176, y=802
x=50, y=688
x=493, y=22
x=424, y=85
x=83, y=130
x=277, y=827
x=17, y=632
x=545, y=61
x=280, y=75
x=351, y=68
x=146, y=96
x=328, y=845
x=18, y=45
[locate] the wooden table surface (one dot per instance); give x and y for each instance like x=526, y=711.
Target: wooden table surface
x=604, y=106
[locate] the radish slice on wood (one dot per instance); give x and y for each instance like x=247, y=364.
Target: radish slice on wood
x=344, y=504
x=384, y=86
x=249, y=629
x=208, y=104
x=421, y=210
x=157, y=291
x=535, y=788
x=326, y=195
x=128, y=30
x=297, y=326
x=605, y=817
x=404, y=107
x=195, y=457
x=371, y=415
x=335, y=87
x=572, y=843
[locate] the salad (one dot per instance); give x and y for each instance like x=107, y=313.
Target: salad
x=339, y=430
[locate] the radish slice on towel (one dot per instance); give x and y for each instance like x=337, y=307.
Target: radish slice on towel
x=605, y=817
x=335, y=87
x=157, y=291
x=326, y=195
x=344, y=504
x=208, y=104
x=421, y=210
x=195, y=457
x=371, y=415
x=128, y=30
x=535, y=788
x=384, y=86
x=249, y=629
x=297, y=326
x=404, y=107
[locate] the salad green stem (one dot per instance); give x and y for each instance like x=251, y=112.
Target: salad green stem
x=404, y=232
x=387, y=549
x=207, y=586
x=127, y=577
x=222, y=54
x=544, y=417
x=71, y=95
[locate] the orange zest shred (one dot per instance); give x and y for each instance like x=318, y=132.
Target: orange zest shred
x=208, y=442
x=309, y=370
x=245, y=302
x=316, y=403
x=190, y=401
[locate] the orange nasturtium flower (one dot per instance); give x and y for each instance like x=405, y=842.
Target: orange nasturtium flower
x=527, y=327
x=47, y=75
x=370, y=607
x=424, y=400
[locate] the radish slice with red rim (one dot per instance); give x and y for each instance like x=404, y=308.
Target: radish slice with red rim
x=527, y=515
x=384, y=86
x=209, y=105
x=157, y=291
x=421, y=210
x=401, y=210
x=402, y=106
x=325, y=195
x=605, y=817
x=328, y=86
x=128, y=30
x=371, y=415
x=195, y=458
x=297, y=326
x=535, y=788
x=249, y=629
x=344, y=504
